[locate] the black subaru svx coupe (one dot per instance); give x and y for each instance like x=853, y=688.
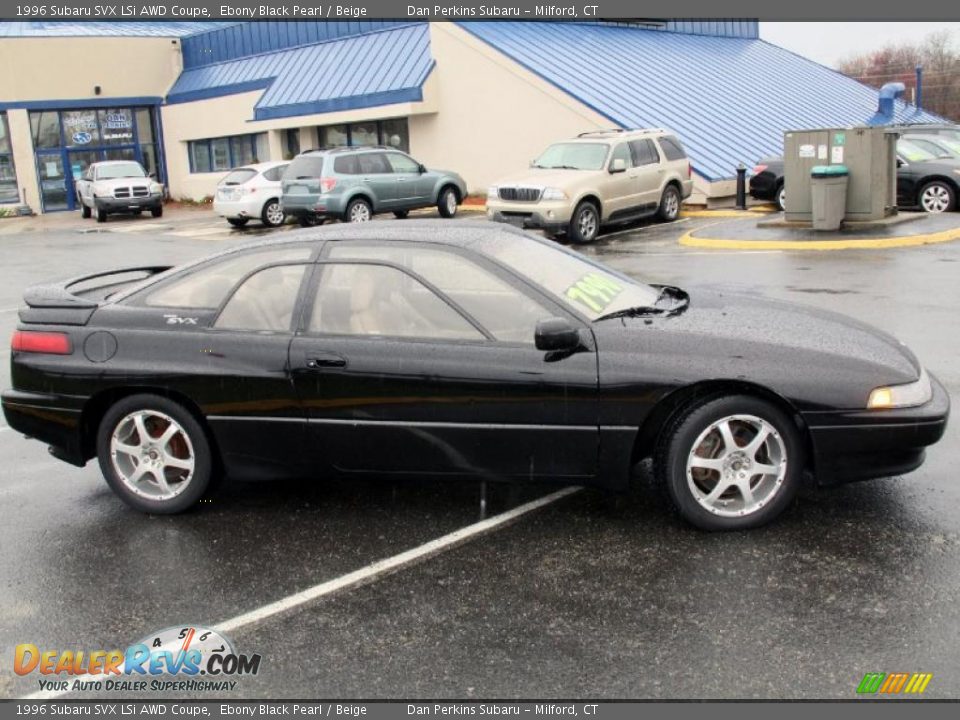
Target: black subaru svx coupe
x=470, y=350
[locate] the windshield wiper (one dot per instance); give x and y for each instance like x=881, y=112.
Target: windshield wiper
x=670, y=301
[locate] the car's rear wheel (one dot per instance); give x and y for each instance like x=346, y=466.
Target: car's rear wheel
x=401, y=214
x=448, y=202
x=101, y=215
x=584, y=224
x=272, y=214
x=238, y=222
x=358, y=211
x=669, y=209
x=154, y=454
x=731, y=462
x=309, y=220
x=781, y=198
x=84, y=210
x=937, y=197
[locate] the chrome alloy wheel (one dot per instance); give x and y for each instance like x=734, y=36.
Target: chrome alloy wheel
x=152, y=454
x=671, y=205
x=935, y=199
x=274, y=213
x=587, y=222
x=359, y=213
x=451, y=201
x=737, y=466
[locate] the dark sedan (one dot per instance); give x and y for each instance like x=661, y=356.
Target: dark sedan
x=766, y=182
x=421, y=348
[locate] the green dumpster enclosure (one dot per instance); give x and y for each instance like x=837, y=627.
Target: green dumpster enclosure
x=828, y=188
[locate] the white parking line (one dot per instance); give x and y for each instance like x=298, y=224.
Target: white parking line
x=9, y=309
x=364, y=574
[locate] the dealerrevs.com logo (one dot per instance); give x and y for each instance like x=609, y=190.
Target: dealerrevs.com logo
x=177, y=659
x=897, y=683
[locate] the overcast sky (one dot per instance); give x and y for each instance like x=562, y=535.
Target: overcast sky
x=828, y=42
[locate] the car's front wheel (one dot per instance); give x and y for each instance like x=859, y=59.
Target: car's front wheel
x=157, y=211
x=669, y=209
x=101, y=215
x=584, y=224
x=937, y=197
x=358, y=211
x=273, y=215
x=154, y=454
x=309, y=220
x=447, y=203
x=731, y=462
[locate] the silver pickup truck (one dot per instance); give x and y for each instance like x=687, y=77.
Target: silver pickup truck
x=118, y=186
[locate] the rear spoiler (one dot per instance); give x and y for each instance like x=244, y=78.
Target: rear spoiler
x=72, y=302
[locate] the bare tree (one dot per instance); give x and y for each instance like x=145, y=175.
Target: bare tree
x=937, y=56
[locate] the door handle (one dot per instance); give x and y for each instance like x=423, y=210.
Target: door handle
x=325, y=360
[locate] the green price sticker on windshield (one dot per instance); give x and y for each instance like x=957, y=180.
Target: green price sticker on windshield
x=594, y=291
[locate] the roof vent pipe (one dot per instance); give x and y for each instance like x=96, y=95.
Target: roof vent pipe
x=888, y=93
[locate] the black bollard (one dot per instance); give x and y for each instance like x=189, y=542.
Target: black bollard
x=741, y=187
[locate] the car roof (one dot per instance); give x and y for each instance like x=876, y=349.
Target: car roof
x=260, y=167
x=620, y=134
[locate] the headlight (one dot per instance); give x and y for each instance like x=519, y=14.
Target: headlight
x=156, y=188
x=493, y=192
x=553, y=194
x=898, y=396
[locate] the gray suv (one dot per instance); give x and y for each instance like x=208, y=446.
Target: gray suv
x=355, y=183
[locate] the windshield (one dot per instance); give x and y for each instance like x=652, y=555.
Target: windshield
x=239, y=176
x=951, y=146
x=573, y=156
x=582, y=285
x=913, y=152
x=120, y=170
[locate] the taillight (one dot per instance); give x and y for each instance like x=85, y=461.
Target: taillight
x=49, y=343
x=759, y=169
x=327, y=184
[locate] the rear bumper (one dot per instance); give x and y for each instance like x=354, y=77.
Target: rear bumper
x=322, y=206
x=865, y=444
x=247, y=208
x=52, y=419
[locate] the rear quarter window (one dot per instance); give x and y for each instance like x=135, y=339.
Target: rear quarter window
x=672, y=149
x=305, y=166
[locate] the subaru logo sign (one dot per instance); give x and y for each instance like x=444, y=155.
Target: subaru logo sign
x=81, y=138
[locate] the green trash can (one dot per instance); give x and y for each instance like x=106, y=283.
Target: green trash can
x=829, y=188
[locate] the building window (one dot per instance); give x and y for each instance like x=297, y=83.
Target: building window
x=390, y=133
x=291, y=139
x=226, y=153
x=8, y=174
x=45, y=127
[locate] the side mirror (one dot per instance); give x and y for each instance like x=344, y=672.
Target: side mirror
x=556, y=334
x=619, y=165
x=152, y=176
x=900, y=163
x=421, y=168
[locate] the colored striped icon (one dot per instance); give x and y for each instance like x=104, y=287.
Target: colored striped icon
x=894, y=683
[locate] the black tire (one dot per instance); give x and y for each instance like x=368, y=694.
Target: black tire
x=137, y=213
x=272, y=214
x=448, y=202
x=401, y=214
x=101, y=215
x=942, y=197
x=358, y=211
x=203, y=463
x=84, y=210
x=584, y=223
x=677, y=445
x=669, y=209
x=238, y=222
x=309, y=220
x=157, y=211
x=780, y=198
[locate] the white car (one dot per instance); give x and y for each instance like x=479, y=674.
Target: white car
x=251, y=192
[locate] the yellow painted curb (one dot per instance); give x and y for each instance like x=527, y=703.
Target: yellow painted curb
x=852, y=244
x=716, y=213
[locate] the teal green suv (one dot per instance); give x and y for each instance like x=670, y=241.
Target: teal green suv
x=353, y=184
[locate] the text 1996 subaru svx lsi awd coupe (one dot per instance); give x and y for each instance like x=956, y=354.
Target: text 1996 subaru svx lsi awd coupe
x=425, y=348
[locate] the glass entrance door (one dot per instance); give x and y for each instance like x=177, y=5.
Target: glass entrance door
x=79, y=161
x=53, y=181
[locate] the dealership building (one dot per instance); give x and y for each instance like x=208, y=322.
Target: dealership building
x=191, y=100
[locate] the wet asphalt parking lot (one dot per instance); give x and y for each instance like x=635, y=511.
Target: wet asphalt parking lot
x=588, y=596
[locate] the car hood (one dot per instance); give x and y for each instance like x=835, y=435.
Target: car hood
x=820, y=357
x=123, y=182
x=544, y=178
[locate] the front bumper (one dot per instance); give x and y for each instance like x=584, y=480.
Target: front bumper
x=863, y=444
x=52, y=419
x=111, y=204
x=551, y=216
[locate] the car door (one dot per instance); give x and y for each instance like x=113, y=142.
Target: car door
x=397, y=378
x=622, y=189
x=412, y=192
x=649, y=173
x=378, y=179
x=86, y=186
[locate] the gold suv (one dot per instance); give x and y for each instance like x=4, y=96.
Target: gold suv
x=598, y=178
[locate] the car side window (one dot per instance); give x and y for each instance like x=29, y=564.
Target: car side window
x=644, y=152
x=378, y=300
x=509, y=314
x=274, y=174
x=373, y=164
x=207, y=286
x=346, y=165
x=622, y=152
x=265, y=301
x=402, y=164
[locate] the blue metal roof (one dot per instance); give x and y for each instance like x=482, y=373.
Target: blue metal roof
x=729, y=99
x=94, y=28
x=368, y=70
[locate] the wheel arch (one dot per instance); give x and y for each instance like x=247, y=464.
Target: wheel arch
x=594, y=198
x=448, y=183
x=361, y=194
x=661, y=417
